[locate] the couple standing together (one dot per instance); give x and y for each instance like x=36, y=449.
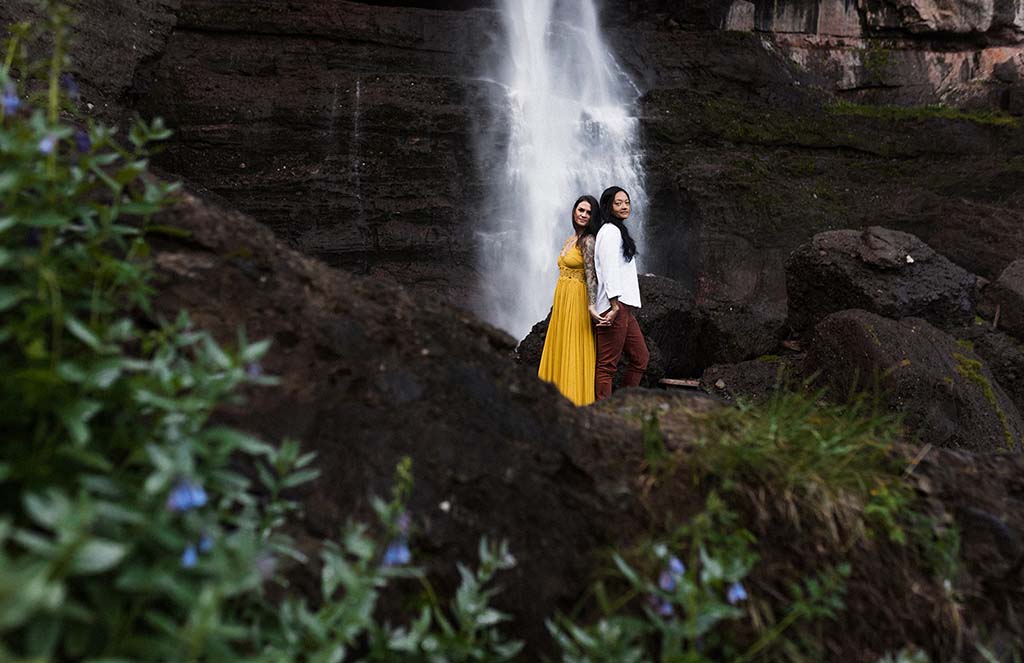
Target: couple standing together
x=595, y=299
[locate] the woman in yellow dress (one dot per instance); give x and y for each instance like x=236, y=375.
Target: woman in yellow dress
x=569, y=356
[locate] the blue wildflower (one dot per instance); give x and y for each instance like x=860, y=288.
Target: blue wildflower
x=47, y=144
x=11, y=102
x=71, y=85
x=82, y=141
x=397, y=553
x=669, y=579
x=736, y=593
x=190, y=557
x=253, y=370
x=205, y=543
x=660, y=605
x=186, y=495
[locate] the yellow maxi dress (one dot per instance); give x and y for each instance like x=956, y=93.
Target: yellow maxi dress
x=569, y=356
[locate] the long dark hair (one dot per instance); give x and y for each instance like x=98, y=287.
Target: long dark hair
x=628, y=245
x=595, y=219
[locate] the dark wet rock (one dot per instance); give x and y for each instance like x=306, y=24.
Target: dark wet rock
x=369, y=375
x=982, y=493
x=733, y=332
x=891, y=273
x=1005, y=298
x=108, y=45
x=1003, y=354
x=671, y=324
x=350, y=129
x=532, y=347
x=945, y=391
x=982, y=236
x=672, y=413
x=754, y=380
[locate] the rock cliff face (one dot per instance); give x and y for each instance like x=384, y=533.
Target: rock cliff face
x=349, y=129
x=352, y=128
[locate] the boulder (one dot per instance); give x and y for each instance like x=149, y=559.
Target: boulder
x=944, y=390
x=891, y=273
x=733, y=331
x=1005, y=298
x=671, y=324
x=1003, y=354
x=370, y=374
x=531, y=348
x=753, y=380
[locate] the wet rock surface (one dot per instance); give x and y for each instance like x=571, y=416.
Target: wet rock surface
x=1003, y=354
x=891, y=273
x=1004, y=300
x=946, y=392
x=349, y=129
x=110, y=42
x=755, y=380
x=734, y=331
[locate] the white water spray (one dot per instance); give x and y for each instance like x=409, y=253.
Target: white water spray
x=571, y=133
x=356, y=168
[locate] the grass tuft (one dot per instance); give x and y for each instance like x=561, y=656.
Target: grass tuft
x=828, y=462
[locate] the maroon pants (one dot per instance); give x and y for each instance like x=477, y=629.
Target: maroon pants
x=623, y=337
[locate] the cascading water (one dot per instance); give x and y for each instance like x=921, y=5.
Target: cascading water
x=571, y=133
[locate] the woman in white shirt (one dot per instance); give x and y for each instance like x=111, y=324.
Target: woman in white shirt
x=618, y=296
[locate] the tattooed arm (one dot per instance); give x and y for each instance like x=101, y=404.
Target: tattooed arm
x=591, y=276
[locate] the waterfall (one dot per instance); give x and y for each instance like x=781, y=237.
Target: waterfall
x=356, y=166
x=571, y=132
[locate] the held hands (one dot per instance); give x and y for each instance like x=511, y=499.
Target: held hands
x=604, y=320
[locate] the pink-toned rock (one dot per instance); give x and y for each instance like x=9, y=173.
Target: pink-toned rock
x=922, y=16
x=740, y=17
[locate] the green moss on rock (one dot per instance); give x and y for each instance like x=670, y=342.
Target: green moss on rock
x=970, y=370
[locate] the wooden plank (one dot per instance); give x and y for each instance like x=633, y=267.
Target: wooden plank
x=672, y=382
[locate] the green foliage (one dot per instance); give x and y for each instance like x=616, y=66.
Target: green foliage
x=830, y=464
x=344, y=624
x=692, y=610
x=822, y=458
x=656, y=454
x=920, y=113
x=970, y=370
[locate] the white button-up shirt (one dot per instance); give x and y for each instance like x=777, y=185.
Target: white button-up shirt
x=615, y=276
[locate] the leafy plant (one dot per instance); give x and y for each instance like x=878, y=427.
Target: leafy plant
x=690, y=609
